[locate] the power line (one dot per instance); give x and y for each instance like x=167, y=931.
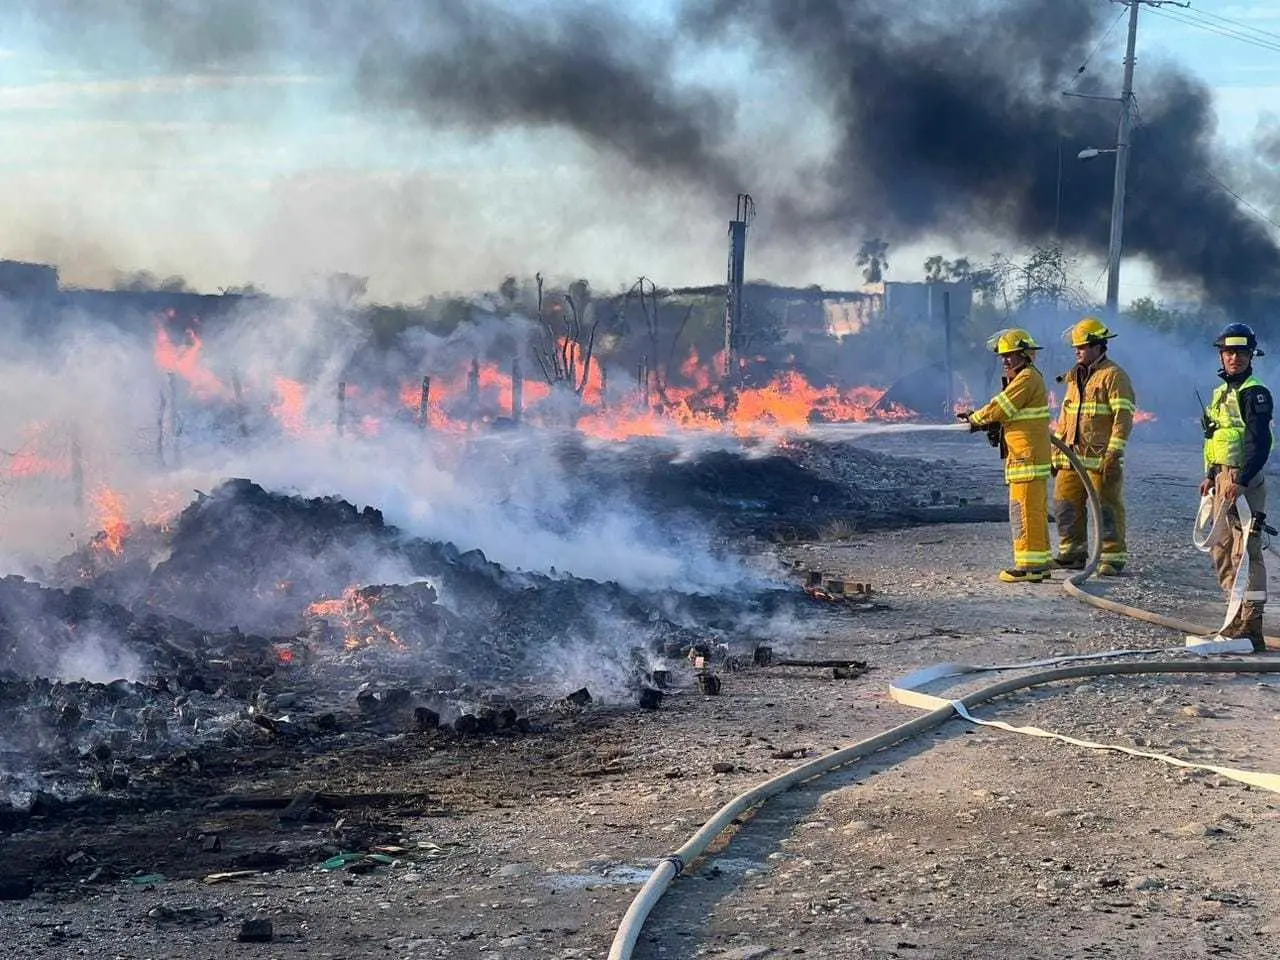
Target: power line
x=1249, y=206
x=1195, y=17
x=1096, y=47
x=1209, y=27
x=1246, y=27
x=1208, y=174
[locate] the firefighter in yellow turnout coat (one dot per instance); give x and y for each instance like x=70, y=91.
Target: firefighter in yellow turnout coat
x=1021, y=411
x=1095, y=422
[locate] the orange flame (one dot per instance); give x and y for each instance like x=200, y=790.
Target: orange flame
x=290, y=406
x=185, y=362
x=355, y=615
x=653, y=409
x=28, y=460
x=112, y=519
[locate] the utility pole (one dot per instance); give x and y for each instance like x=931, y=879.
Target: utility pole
x=1115, y=246
x=1122, y=169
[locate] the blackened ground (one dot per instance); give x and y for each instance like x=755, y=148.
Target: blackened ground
x=800, y=489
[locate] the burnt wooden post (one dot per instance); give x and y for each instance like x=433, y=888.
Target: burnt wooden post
x=175, y=420
x=517, y=390
x=604, y=384
x=424, y=404
x=238, y=393
x=77, y=469
x=473, y=391
x=160, y=417
x=342, y=406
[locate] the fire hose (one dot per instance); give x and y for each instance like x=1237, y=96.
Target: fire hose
x=941, y=710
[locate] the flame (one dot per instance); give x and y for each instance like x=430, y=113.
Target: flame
x=112, y=519
x=354, y=613
x=36, y=456
x=185, y=362
x=698, y=402
x=964, y=401
x=449, y=402
x=1143, y=416
x=290, y=406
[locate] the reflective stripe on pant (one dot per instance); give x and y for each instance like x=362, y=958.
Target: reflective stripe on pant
x=1070, y=507
x=1029, y=524
x=1225, y=550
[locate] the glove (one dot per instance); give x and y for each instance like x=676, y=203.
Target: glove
x=1110, y=465
x=995, y=433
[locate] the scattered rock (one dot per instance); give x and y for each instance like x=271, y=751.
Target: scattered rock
x=1144, y=883
x=257, y=930
x=1199, y=710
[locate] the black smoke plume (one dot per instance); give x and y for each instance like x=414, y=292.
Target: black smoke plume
x=948, y=115
x=952, y=115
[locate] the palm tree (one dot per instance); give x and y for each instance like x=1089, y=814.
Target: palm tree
x=873, y=257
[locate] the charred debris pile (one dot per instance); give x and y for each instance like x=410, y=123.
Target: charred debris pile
x=253, y=621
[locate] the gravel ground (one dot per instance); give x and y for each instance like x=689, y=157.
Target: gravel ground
x=968, y=842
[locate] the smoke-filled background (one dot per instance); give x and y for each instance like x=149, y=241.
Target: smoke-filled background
x=441, y=145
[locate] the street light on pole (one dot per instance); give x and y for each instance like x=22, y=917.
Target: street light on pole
x=1121, y=149
x=1122, y=167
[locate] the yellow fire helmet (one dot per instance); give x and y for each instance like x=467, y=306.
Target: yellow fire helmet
x=1088, y=331
x=1011, y=340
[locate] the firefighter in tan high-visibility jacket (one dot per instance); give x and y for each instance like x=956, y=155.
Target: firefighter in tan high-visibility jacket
x=1095, y=422
x=1020, y=412
x=1237, y=430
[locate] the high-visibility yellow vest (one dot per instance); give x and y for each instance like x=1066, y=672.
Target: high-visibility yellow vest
x=1226, y=447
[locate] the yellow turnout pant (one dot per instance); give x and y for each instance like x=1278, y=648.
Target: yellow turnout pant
x=1029, y=523
x=1070, y=506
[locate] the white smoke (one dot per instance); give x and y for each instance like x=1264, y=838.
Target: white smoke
x=97, y=658
x=90, y=411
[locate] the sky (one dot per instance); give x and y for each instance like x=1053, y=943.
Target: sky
x=119, y=156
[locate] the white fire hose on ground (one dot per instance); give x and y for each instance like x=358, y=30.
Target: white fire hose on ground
x=940, y=710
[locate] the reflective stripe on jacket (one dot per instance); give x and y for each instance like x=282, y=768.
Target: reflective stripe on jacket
x=1226, y=447
x=1097, y=420
x=1023, y=409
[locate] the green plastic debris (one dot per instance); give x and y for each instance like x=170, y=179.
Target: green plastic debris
x=340, y=861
